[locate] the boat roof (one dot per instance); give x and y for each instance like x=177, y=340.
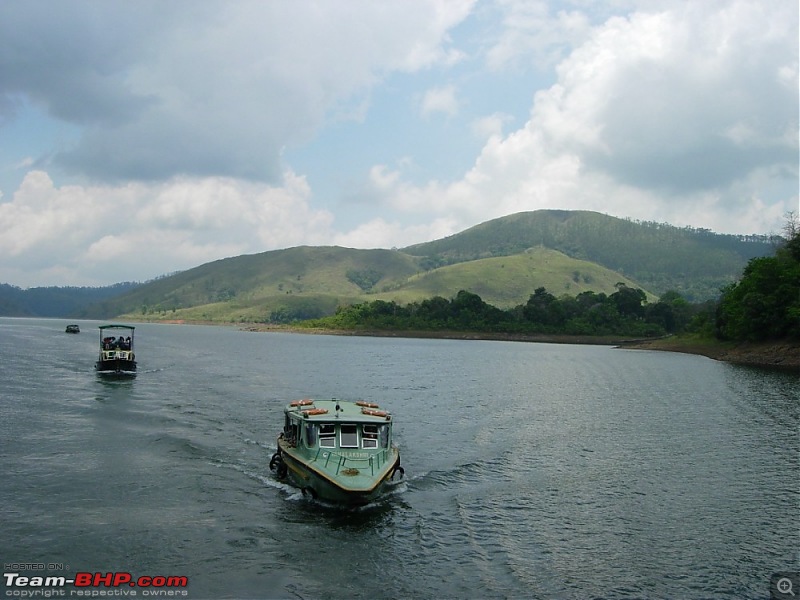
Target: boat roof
x=117, y=327
x=351, y=411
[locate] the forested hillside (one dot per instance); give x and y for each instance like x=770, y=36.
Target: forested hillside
x=565, y=252
x=658, y=256
x=303, y=281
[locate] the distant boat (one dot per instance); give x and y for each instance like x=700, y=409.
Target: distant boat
x=116, y=351
x=337, y=451
x=73, y=329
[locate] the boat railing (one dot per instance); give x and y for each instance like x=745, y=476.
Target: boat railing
x=113, y=354
x=373, y=461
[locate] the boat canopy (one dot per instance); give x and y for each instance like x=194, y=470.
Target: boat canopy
x=117, y=327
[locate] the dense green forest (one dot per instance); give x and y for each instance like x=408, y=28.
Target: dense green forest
x=624, y=313
x=763, y=305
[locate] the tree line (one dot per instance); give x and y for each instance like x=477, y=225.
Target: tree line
x=765, y=303
x=625, y=312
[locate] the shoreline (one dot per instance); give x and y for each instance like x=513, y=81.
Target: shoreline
x=780, y=355
x=783, y=355
x=541, y=338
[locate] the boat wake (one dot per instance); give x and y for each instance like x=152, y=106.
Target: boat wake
x=268, y=479
x=474, y=473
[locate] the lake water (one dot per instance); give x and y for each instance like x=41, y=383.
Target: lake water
x=532, y=470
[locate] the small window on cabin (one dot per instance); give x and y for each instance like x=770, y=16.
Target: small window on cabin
x=348, y=436
x=311, y=435
x=327, y=435
x=369, y=436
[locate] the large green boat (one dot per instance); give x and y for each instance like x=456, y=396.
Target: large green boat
x=336, y=450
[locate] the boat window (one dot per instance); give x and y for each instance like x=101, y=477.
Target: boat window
x=311, y=435
x=384, y=435
x=327, y=435
x=348, y=436
x=369, y=436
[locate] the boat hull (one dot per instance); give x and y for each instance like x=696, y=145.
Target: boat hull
x=317, y=483
x=116, y=367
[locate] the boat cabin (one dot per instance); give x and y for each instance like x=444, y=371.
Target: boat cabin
x=302, y=432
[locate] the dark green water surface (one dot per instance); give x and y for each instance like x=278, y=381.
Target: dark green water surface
x=532, y=470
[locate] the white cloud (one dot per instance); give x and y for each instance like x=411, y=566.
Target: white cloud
x=102, y=234
x=678, y=115
x=218, y=93
x=379, y=233
x=490, y=125
x=532, y=34
x=440, y=100
x=176, y=120
x=25, y=163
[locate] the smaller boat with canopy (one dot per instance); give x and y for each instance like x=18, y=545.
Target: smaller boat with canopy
x=116, y=351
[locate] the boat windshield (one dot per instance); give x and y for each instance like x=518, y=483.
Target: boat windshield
x=370, y=436
x=348, y=436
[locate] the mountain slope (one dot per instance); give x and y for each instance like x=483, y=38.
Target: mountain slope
x=269, y=279
x=509, y=281
x=658, y=256
x=503, y=261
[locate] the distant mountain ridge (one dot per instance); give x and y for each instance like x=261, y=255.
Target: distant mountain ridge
x=55, y=301
x=503, y=261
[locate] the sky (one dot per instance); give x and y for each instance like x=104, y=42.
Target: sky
x=138, y=139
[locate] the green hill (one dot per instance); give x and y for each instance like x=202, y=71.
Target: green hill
x=508, y=281
x=658, y=256
x=311, y=280
x=503, y=261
